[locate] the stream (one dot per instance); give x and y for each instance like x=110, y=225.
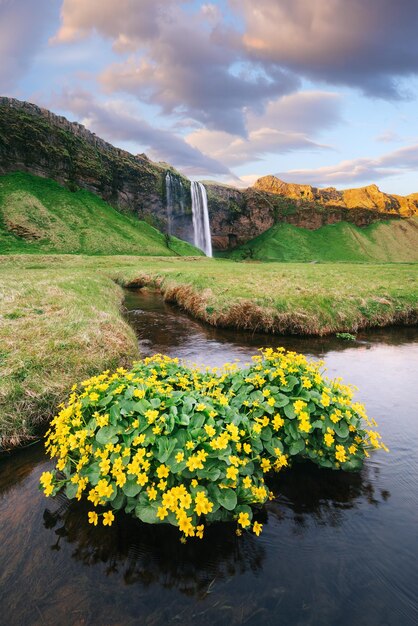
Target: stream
x=336, y=548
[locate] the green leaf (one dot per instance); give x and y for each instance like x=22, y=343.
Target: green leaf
x=198, y=420
x=147, y=513
x=119, y=500
x=297, y=447
x=211, y=473
x=266, y=434
x=165, y=448
x=107, y=434
x=92, y=472
x=352, y=465
x=290, y=383
x=131, y=488
x=289, y=411
x=228, y=499
x=71, y=490
x=184, y=419
x=141, y=406
x=281, y=400
x=341, y=429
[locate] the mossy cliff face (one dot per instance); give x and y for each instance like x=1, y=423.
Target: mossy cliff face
x=236, y=216
x=37, y=141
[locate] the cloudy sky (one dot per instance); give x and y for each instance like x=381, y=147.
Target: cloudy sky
x=315, y=91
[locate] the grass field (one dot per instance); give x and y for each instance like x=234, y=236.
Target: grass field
x=39, y=215
x=60, y=316
x=395, y=241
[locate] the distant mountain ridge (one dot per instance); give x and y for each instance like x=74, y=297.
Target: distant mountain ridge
x=369, y=197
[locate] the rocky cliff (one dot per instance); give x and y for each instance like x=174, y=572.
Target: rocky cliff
x=237, y=216
x=369, y=197
x=35, y=140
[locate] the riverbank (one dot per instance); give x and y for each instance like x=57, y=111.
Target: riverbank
x=61, y=316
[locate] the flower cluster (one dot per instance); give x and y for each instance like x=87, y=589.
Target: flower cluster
x=187, y=447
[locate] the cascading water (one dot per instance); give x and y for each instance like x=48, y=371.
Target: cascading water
x=201, y=225
x=169, y=195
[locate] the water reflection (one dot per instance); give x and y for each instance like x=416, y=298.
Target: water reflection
x=311, y=495
x=162, y=327
x=147, y=555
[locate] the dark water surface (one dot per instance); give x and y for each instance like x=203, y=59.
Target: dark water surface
x=336, y=549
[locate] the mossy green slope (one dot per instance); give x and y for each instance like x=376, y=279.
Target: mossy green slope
x=39, y=215
x=389, y=242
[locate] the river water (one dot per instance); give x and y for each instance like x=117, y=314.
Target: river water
x=336, y=548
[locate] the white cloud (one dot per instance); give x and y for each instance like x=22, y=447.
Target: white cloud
x=357, y=170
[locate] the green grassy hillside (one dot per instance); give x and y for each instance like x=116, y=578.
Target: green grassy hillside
x=388, y=242
x=39, y=215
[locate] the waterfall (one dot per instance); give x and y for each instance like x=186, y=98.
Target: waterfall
x=170, y=200
x=201, y=226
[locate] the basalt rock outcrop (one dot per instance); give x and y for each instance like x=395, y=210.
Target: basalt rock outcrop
x=33, y=139
x=369, y=197
x=237, y=216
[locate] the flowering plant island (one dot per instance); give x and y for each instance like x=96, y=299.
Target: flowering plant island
x=180, y=445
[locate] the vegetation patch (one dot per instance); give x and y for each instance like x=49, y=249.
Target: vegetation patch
x=61, y=317
x=39, y=215
x=188, y=447
x=391, y=241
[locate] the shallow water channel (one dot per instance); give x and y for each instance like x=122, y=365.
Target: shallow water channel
x=336, y=548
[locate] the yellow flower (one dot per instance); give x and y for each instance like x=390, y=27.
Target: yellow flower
x=93, y=517
x=199, y=531
x=102, y=420
x=203, y=505
x=139, y=393
x=94, y=396
x=200, y=407
x=231, y=472
x=151, y=415
x=328, y=439
x=162, y=513
x=190, y=445
x=179, y=457
x=194, y=482
x=142, y=479
x=247, y=482
x=108, y=518
x=152, y=493
x=244, y=520
x=257, y=528
x=340, y=454
x=210, y=430
x=162, y=471
x=120, y=479
x=265, y=465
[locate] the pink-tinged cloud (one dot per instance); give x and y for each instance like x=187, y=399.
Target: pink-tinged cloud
x=289, y=123
x=357, y=170
x=113, y=121
x=22, y=26
x=184, y=62
x=362, y=43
